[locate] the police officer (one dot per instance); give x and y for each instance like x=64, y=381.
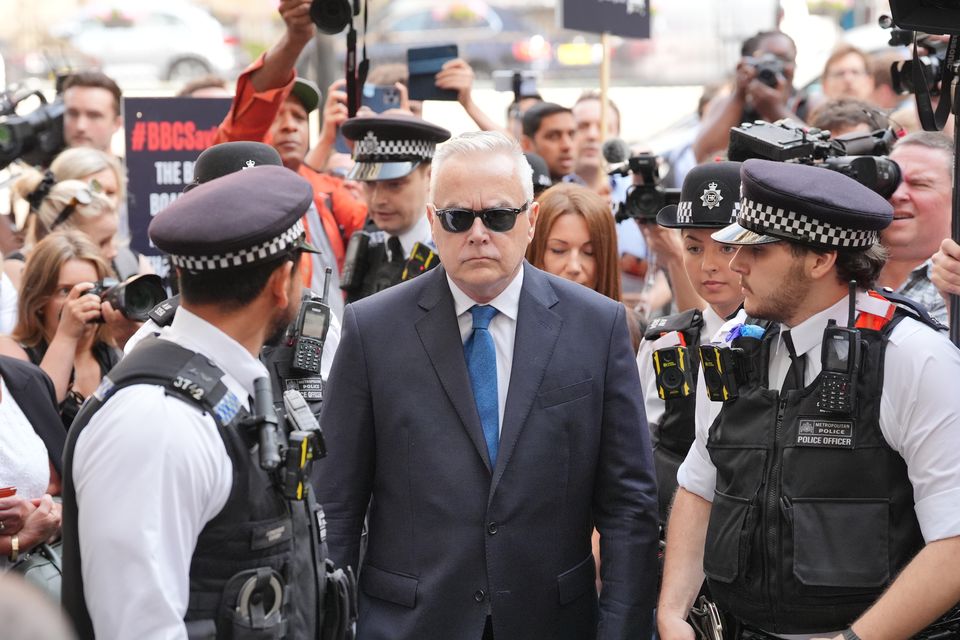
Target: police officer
x=668, y=358
x=173, y=526
x=392, y=155
x=820, y=497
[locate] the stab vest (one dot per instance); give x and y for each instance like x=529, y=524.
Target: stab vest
x=379, y=272
x=813, y=513
x=258, y=540
x=673, y=436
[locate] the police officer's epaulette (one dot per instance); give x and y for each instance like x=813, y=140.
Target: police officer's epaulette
x=685, y=321
x=162, y=314
x=912, y=309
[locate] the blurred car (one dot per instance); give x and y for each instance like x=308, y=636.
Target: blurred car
x=170, y=40
x=487, y=38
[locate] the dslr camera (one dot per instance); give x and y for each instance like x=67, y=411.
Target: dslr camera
x=769, y=69
x=134, y=298
x=858, y=156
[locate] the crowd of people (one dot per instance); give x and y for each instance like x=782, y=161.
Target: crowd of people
x=435, y=388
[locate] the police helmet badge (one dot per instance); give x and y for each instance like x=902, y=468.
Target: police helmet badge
x=711, y=196
x=249, y=164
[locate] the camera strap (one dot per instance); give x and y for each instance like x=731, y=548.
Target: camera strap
x=356, y=73
x=928, y=119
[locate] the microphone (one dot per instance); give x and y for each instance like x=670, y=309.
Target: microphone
x=615, y=150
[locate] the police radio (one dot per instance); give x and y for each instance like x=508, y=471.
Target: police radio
x=355, y=262
x=310, y=331
x=840, y=357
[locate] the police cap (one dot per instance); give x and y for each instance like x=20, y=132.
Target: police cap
x=809, y=205
x=390, y=147
x=709, y=198
x=228, y=157
x=541, y=174
x=243, y=218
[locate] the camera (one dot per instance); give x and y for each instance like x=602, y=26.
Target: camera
x=36, y=137
x=644, y=200
x=858, y=156
x=720, y=368
x=769, y=69
x=134, y=298
x=674, y=372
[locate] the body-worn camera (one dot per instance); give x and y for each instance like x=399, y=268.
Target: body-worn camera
x=674, y=373
x=721, y=366
x=355, y=261
x=769, y=69
x=644, y=200
x=135, y=297
x=858, y=156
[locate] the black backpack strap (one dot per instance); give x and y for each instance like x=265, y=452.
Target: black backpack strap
x=690, y=319
x=912, y=308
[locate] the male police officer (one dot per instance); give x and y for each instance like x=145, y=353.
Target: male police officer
x=173, y=525
x=392, y=154
x=819, y=497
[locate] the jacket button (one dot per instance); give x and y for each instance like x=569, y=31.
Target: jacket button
x=479, y=595
x=492, y=528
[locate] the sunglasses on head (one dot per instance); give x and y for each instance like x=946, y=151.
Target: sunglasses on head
x=499, y=219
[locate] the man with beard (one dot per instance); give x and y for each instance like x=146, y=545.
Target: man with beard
x=170, y=509
x=820, y=497
x=550, y=131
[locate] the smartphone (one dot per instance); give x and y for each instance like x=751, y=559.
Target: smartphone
x=379, y=98
x=423, y=63
x=522, y=83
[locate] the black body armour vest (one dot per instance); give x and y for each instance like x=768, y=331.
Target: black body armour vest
x=379, y=272
x=262, y=554
x=813, y=513
x=673, y=436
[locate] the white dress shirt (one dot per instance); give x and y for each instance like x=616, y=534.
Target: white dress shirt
x=652, y=402
x=919, y=416
x=503, y=329
x=150, y=472
x=420, y=232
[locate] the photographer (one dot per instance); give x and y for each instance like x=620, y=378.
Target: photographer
x=763, y=90
x=57, y=326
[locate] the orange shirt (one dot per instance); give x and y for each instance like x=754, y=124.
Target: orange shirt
x=250, y=117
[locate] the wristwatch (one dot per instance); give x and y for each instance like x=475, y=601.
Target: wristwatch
x=850, y=634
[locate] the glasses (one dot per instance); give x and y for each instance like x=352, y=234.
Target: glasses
x=498, y=219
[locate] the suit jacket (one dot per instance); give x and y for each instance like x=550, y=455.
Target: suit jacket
x=33, y=390
x=452, y=540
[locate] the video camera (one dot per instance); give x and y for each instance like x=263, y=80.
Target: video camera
x=769, y=69
x=36, y=137
x=134, y=298
x=858, y=156
x=644, y=200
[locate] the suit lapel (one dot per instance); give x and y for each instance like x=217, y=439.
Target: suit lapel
x=537, y=331
x=440, y=335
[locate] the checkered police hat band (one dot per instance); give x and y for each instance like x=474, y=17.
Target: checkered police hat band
x=685, y=211
x=249, y=255
x=766, y=219
x=372, y=149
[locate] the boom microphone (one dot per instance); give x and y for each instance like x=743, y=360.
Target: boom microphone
x=615, y=150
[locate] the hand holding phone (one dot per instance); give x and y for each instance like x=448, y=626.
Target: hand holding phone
x=423, y=65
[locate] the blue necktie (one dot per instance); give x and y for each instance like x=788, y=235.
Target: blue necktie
x=482, y=366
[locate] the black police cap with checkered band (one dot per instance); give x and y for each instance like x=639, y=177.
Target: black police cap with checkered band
x=390, y=147
x=239, y=219
x=225, y=158
x=809, y=205
x=709, y=198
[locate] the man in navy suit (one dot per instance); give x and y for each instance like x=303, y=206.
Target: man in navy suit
x=489, y=416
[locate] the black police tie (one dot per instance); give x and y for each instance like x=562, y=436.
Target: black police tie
x=396, y=249
x=794, y=379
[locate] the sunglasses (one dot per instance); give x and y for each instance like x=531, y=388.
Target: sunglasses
x=498, y=219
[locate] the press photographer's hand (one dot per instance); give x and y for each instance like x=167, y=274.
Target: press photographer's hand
x=80, y=312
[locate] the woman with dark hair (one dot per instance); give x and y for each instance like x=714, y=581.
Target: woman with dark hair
x=58, y=321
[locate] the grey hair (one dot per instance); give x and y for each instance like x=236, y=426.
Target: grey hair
x=484, y=142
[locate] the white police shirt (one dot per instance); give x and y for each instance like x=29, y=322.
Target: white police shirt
x=919, y=416
x=150, y=472
x=652, y=402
